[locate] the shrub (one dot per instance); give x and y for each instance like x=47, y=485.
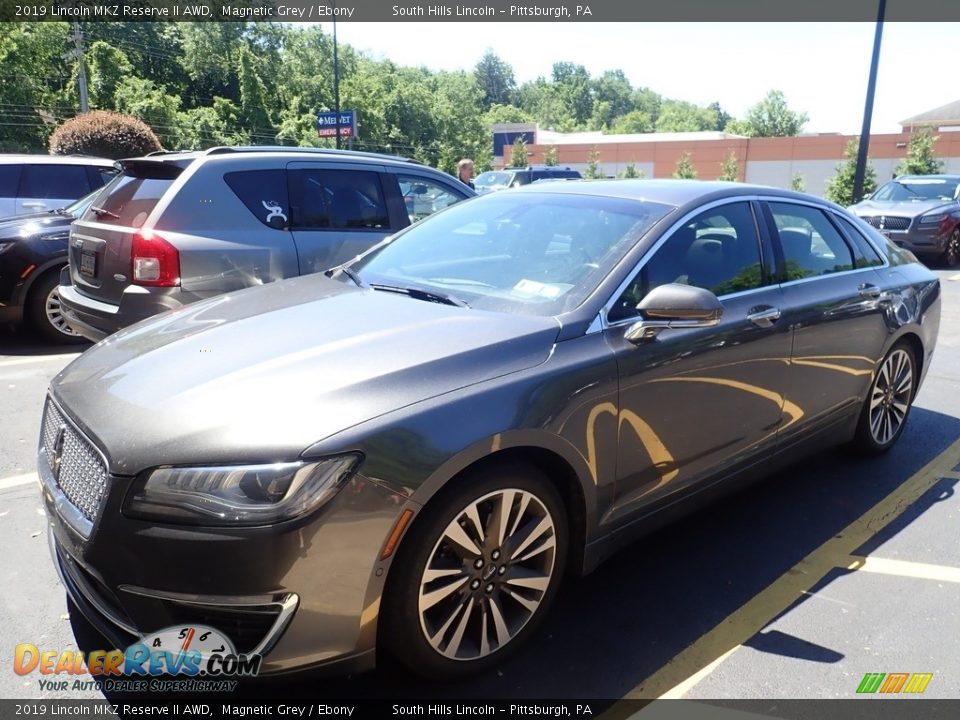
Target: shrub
x=104, y=134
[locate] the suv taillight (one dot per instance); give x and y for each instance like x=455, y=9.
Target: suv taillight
x=154, y=261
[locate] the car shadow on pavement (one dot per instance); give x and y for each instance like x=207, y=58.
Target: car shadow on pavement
x=20, y=341
x=616, y=627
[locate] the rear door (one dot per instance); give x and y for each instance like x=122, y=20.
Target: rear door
x=834, y=303
x=100, y=241
x=337, y=211
x=51, y=186
x=9, y=184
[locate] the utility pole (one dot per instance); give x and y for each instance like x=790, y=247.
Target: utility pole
x=861, y=169
x=336, y=74
x=81, y=68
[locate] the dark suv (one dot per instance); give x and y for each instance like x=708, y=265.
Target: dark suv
x=174, y=228
x=515, y=177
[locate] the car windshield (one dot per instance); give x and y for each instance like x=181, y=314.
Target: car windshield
x=917, y=190
x=527, y=253
x=79, y=207
x=491, y=178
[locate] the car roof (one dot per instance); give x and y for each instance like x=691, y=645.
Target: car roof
x=669, y=192
x=9, y=159
x=939, y=176
x=280, y=151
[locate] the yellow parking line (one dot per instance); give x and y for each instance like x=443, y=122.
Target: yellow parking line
x=905, y=568
x=745, y=622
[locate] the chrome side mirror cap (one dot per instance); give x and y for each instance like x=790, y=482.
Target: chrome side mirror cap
x=674, y=306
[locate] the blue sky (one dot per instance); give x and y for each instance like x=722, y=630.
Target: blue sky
x=821, y=67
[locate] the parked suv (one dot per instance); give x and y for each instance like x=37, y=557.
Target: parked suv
x=178, y=227
x=38, y=183
x=920, y=213
x=515, y=177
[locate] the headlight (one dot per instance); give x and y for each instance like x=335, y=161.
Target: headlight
x=239, y=494
x=932, y=218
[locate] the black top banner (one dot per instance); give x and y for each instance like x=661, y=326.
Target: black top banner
x=476, y=10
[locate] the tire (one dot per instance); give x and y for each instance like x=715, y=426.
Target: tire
x=42, y=311
x=484, y=598
x=887, y=406
x=951, y=254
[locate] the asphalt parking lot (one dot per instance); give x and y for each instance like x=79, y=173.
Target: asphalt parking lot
x=794, y=588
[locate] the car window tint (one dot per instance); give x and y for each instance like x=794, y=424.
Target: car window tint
x=9, y=180
x=424, y=197
x=106, y=174
x=866, y=255
x=264, y=192
x=54, y=181
x=811, y=245
x=717, y=250
x=128, y=200
x=337, y=200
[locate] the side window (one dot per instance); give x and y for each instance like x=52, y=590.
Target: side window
x=811, y=245
x=54, y=182
x=718, y=250
x=867, y=256
x=105, y=175
x=336, y=200
x=423, y=197
x=264, y=192
x=9, y=180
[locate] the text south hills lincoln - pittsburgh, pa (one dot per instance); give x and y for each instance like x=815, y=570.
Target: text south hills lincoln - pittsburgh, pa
x=466, y=11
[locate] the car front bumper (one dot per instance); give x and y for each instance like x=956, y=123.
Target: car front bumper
x=926, y=239
x=303, y=594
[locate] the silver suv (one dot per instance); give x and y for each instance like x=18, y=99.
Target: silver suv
x=174, y=228
x=40, y=183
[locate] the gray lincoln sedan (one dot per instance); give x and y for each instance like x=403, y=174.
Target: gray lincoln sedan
x=407, y=453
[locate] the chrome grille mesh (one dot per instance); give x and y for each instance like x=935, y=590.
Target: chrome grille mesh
x=889, y=223
x=83, y=475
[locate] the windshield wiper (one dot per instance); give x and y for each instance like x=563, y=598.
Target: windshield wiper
x=349, y=272
x=100, y=212
x=420, y=294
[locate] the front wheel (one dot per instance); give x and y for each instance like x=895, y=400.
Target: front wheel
x=476, y=574
x=951, y=254
x=889, y=401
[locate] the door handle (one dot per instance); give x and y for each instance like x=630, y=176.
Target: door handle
x=869, y=291
x=764, y=317
x=36, y=205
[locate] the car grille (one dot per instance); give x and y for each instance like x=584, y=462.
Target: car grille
x=888, y=222
x=82, y=475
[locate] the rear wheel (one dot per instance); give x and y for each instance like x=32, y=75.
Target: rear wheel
x=44, y=313
x=888, y=403
x=477, y=573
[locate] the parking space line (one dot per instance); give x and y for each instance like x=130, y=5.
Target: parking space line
x=954, y=277
x=905, y=568
x=17, y=480
x=708, y=652
x=9, y=362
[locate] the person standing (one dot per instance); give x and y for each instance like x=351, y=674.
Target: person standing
x=465, y=172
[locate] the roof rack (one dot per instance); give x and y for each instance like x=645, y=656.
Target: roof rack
x=225, y=150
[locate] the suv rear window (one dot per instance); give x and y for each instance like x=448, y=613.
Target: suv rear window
x=130, y=197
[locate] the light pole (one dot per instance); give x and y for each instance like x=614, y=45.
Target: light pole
x=336, y=73
x=861, y=169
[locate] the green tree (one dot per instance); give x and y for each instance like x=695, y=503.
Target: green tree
x=631, y=171
x=679, y=116
x=518, y=154
x=550, y=156
x=105, y=134
x=593, y=170
x=840, y=186
x=108, y=66
x=495, y=77
x=722, y=117
x=798, y=182
x=254, y=113
x=574, y=90
x=685, y=169
x=920, y=159
x=635, y=121
x=771, y=117
x=143, y=99
x=729, y=170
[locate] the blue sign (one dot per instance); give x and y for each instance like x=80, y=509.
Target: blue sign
x=327, y=123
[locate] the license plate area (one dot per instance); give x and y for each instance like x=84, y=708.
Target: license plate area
x=88, y=264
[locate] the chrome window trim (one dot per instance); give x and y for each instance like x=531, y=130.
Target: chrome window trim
x=843, y=273
x=608, y=305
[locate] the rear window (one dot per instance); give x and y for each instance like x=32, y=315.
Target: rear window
x=128, y=200
x=9, y=180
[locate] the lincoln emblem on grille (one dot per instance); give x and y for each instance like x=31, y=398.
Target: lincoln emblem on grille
x=883, y=219
x=57, y=452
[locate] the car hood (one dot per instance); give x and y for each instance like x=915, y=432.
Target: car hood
x=261, y=374
x=901, y=209
x=20, y=225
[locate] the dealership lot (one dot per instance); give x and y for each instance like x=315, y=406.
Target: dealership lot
x=797, y=587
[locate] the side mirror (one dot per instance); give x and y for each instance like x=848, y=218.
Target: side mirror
x=674, y=306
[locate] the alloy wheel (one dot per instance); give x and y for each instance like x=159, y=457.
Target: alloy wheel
x=54, y=314
x=951, y=255
x=487, y=574
x=890, y=396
